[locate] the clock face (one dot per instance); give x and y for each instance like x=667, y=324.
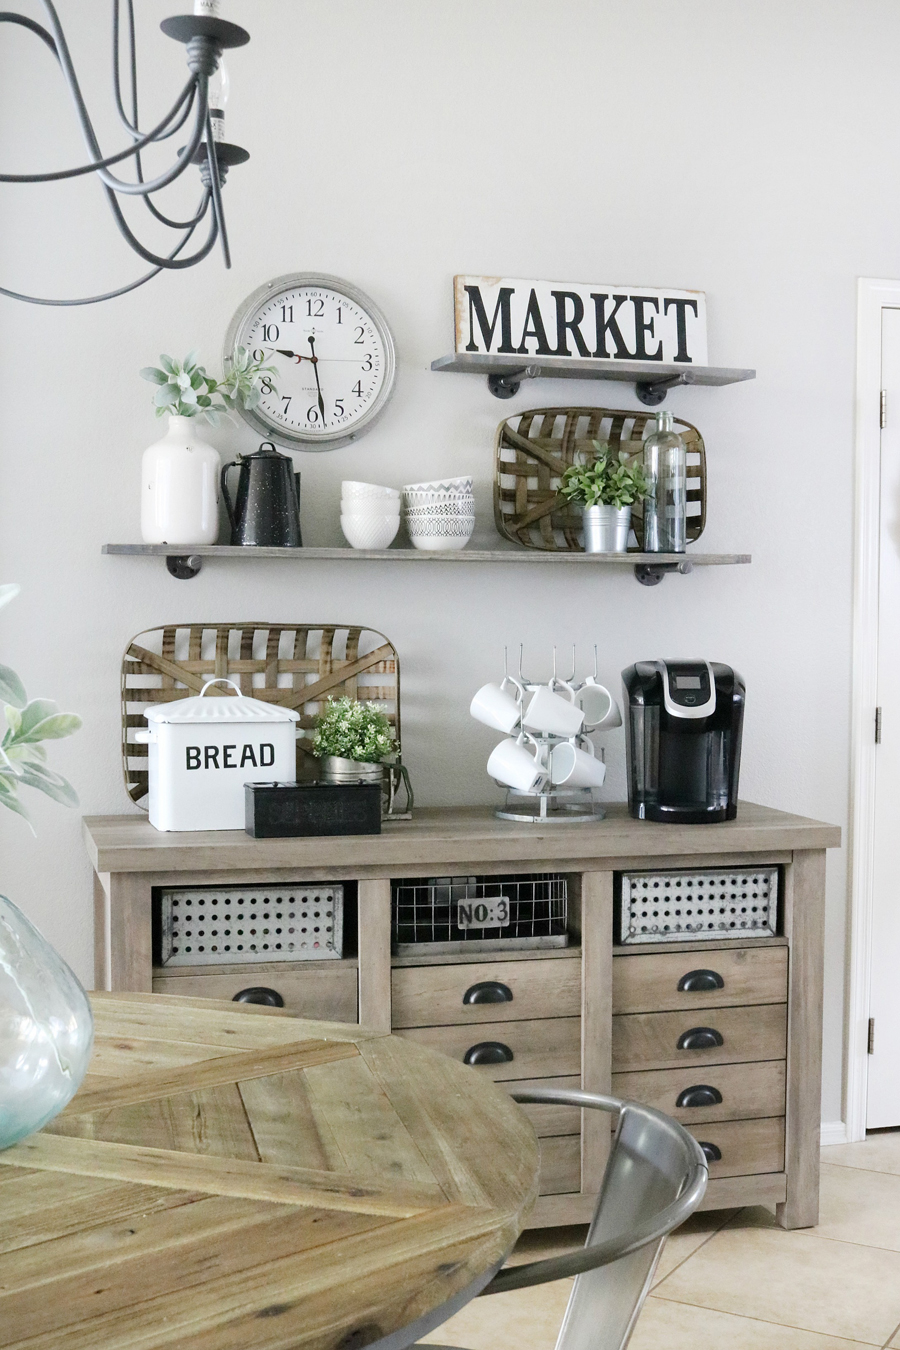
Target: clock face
x=333, y=353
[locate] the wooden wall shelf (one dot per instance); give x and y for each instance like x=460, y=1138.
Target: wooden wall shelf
x=649, y=568
x=652, y=379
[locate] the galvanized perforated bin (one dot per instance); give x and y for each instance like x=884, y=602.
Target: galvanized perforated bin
x=225, y=925
x=465, y=914
x=704, y=903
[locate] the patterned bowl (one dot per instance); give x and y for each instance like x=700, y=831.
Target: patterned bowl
x=443, y=486
x=351, y=491
x=449, y=525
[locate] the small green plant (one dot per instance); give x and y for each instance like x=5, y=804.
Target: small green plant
x=186, y=390
x=28, y=722
x=607, y=480
x=354, y=730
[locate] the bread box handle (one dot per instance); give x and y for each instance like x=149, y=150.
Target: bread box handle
x=219, y=680
x=144, y=736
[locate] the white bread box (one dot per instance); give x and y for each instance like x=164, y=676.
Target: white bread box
x=203, y=750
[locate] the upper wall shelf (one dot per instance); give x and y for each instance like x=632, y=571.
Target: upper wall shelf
x=652, y=379
x=649, y=568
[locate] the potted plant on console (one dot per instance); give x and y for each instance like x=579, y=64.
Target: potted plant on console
x=354, y=741
x=605, y=488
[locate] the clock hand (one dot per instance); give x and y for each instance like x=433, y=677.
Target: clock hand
x=315, y=360
x=281, y=352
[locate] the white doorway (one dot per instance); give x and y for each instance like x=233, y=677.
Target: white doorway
x=873, y=1041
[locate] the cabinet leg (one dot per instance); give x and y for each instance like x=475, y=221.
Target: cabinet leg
x=805, y=928
x=130, y=933
x=375, y=954
x=101, y=931
x=596, y=1020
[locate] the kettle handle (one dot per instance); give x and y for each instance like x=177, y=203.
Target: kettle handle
x=229, y=505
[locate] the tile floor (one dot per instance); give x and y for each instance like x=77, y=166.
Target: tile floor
x=733, y=1279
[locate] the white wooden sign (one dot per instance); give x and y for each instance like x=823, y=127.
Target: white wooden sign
x=597, y=321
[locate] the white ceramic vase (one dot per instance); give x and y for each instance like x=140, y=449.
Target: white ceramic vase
x=180, y=487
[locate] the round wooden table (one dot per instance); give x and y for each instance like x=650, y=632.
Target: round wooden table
x=229, y=1178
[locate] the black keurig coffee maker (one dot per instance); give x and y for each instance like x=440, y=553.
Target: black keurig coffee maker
x=683, y=740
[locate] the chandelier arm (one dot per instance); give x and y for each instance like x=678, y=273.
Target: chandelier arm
x=188, y=92
x=97, y=299
x=169, y=262
x=215, y=183
x=8, y=17
x=130, y=123
x=174, y=224
x=183, y=159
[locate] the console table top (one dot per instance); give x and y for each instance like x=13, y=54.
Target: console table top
x=448, y=838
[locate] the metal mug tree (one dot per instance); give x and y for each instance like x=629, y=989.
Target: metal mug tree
x=205, y=36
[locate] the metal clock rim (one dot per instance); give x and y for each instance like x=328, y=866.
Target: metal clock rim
x=327, y=440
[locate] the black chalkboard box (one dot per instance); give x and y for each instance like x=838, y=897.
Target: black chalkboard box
x=293, y=810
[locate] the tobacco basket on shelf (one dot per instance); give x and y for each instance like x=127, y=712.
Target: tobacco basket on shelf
x=532, y=451
x=294, y=665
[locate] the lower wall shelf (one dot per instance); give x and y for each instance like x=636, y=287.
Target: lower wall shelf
x=186, y=561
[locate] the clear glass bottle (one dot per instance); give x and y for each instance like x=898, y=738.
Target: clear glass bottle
x=665, y=468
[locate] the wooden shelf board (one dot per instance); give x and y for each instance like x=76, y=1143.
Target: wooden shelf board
x=473, y=555
x=586, y=368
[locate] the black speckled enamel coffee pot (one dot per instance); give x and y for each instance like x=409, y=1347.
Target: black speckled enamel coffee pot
x=266, y=508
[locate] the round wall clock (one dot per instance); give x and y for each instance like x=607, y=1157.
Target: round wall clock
x=334, y=354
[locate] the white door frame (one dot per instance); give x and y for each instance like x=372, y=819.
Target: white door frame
x=873, y=296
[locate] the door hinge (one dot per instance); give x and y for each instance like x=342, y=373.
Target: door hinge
x=870, y=1040
x=883, y=410
x=877, y=726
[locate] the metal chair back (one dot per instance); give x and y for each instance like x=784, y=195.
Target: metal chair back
x=655, y=1178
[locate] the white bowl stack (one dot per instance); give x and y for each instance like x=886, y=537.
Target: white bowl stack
x=440, y=515
x=370, y=515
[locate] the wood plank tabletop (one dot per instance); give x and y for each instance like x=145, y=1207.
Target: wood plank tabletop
x=229, y=1178
x=437, y=838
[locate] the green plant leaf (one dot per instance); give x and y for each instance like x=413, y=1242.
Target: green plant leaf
x=12, y=689
x=50, y=783
x=13, y=721
x=153, y=375
x=52, y=728
x=191, y=361
x=168, y=364
x=166, y=395
x=9, y=798
x=36, y=711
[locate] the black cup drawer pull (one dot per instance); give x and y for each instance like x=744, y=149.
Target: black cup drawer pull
x=270, y=998
x=700, y=1038
x=700, y=982
x=488, y=991
x=488, y=1052
x=701, y=1095
x=712, y=1152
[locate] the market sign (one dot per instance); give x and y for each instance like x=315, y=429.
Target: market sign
x=596, y=321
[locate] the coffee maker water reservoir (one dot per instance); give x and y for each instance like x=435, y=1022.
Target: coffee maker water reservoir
x=684, y=726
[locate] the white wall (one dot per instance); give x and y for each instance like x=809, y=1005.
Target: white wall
x=746, y=150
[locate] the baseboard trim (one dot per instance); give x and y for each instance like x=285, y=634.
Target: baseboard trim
x=833, y=1132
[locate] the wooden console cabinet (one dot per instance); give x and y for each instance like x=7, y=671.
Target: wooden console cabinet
x=593, y=1014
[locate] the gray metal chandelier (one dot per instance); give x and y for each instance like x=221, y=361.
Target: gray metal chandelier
x=200, y=104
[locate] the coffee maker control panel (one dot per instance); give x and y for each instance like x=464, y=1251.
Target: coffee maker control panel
x=689, y=689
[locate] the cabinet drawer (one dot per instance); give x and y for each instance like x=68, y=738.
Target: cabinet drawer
x=650, y=1040
x=560, y=1165
x=746, y=1146
x=651, y=983
x=326, y=995
x=748, y=1091
x=424, y=996
x=549, y=1120
x=550, y=1047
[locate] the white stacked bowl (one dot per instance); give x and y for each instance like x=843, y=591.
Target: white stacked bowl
x=440, y=514
x=370, y=514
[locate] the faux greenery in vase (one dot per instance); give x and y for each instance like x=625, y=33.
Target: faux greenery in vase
x=46, y=1025
x=605, y=487
x=180, y=473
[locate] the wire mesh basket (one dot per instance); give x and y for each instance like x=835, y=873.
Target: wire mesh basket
x=222, y=925
x=706, y=903
x=457, y=914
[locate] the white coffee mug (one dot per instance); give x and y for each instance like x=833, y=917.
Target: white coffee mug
x=551, y=712
x=496, y=707
x=598, y=705
x=510, y=763
x=575, y=767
